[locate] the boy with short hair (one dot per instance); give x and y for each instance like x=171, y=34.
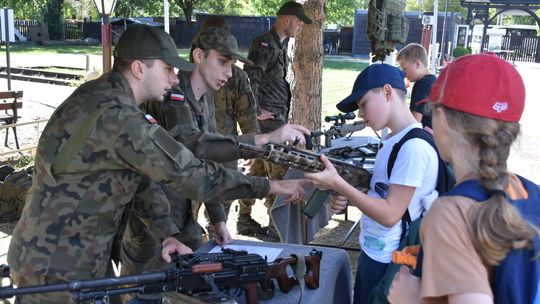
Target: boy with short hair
x=413, y=62
x=379, y=94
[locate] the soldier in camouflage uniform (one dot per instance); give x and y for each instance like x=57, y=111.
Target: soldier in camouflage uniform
x=189, y=116
x=91, y=160
x=268, y=74
x=235, y=105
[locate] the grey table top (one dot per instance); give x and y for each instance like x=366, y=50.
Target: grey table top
x=335, y=283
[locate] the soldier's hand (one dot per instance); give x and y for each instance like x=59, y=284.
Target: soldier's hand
x=223, y=236
x=292, y=189
x=171, y=245
x=265, y=114
x=338, y=203
x=291, y=133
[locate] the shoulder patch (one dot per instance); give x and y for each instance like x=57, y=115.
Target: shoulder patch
x=264, y=44
x=177, y=97
x=150, y=118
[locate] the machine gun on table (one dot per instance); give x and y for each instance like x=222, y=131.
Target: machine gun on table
x=338, y=130
x=308, y=161
x=228, y=273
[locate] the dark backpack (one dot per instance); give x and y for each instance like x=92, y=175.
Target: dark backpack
x=445, y=178
x=445, y=181
x=516, y=279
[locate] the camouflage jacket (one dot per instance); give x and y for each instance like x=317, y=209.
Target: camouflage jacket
x=268, y=74
x=71, y=216
x=236, y=105
x=193, y=123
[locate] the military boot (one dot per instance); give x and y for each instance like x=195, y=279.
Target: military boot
x=248, y=226
x=272, y=233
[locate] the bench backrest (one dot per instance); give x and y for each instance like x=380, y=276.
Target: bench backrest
x=11, y=94
x=8, y=101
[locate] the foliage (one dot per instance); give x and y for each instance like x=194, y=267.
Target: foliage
x=461, y=51
x=454, y=6
x=22, y=162
x=140, y=8
x=25, y=9
x=52, y=15
x=342, y=11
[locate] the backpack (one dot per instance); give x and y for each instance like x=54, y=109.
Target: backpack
x=410, y=240
x=516, y=279
x=445, y=177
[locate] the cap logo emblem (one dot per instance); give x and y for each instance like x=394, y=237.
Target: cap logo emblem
x=500, y=106
x=264, y=44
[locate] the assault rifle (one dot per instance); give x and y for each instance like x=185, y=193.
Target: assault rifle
x=310, y=162
x=225, y=274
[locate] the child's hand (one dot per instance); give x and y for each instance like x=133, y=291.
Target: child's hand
x=326, y=179
x=338, y=203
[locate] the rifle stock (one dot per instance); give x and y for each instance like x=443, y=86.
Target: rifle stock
x=192, y=274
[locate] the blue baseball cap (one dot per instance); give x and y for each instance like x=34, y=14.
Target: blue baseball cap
x=374, y=76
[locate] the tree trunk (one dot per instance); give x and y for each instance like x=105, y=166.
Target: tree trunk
x=306, y=84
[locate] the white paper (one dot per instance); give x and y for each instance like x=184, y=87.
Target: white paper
x=270, y=253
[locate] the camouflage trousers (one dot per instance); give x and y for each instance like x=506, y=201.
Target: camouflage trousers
x=262, y=168
x=141, y=252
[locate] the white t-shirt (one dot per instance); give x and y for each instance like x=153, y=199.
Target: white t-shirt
x=416, y=166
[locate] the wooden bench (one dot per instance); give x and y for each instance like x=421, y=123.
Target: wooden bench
x=10, y=103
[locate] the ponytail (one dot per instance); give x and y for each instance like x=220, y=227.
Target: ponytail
x=497, y=226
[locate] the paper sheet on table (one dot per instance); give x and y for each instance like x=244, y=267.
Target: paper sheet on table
x=271, y=253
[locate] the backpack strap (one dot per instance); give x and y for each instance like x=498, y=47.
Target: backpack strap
x=443, y=179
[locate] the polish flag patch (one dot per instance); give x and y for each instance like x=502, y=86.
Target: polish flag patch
x=150, y=119
x=177, y=97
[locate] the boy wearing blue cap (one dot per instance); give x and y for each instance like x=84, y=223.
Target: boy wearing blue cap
x=379, y=94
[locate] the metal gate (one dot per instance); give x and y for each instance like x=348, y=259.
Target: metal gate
x=521, y=48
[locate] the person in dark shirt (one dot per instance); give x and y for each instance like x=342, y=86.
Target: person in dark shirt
x=413, y=61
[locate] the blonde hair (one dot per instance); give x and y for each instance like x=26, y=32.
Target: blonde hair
x=483, y=145
x=412, y=52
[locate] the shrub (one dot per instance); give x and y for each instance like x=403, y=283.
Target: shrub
x=461, y=51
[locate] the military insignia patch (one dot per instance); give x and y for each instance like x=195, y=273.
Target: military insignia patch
x=177, y=97
x=150, y=119
x=264, y=44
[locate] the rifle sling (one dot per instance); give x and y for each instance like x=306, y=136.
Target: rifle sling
x=299, y=273
x=76, y=141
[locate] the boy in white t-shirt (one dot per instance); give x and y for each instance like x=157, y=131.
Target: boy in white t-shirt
x=379, y=94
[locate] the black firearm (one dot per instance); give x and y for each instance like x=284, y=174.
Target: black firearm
x=336, y=131
x=308, y=161
x=225, y=274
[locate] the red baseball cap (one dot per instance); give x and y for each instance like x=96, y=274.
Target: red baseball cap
x=482, y=85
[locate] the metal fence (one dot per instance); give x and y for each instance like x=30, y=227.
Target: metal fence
x=73, y=30
x=519, y=48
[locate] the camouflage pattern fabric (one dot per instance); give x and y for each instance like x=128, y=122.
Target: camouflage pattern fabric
x=235, y=105
x=67, y=227
x=191, y=122
x=267, y=74
x=246, y=204
x=13, y=192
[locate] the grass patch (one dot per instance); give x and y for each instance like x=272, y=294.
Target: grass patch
x=54, y=49
x=348, y=65
x=337, y=83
